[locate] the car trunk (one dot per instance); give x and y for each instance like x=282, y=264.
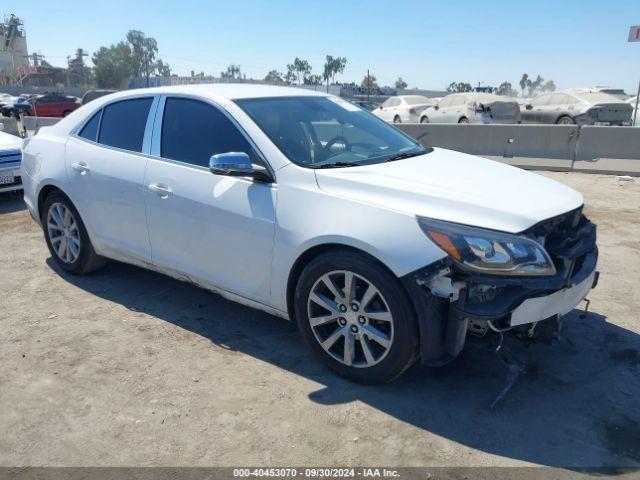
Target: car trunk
x=612, y=112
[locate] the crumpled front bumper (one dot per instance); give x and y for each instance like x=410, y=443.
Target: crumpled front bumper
x=506, y=301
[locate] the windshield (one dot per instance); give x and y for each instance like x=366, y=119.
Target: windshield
x=325, y=132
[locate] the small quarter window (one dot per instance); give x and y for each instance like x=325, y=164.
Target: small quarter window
x=90, y=129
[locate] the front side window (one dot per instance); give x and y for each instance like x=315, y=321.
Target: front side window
x=123, y=124
x=319, y=132
x=193, y=131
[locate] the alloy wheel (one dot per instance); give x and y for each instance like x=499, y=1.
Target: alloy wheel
x=63, y=232
x=350, y=319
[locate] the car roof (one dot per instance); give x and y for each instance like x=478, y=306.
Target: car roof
x=231, y=91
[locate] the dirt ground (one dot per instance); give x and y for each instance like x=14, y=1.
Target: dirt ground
x=129, y=368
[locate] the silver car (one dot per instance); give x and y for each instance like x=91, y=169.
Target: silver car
x=473, y=107
x=582, y=107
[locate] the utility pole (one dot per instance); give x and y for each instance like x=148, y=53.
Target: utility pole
x=634, y=36
x=368, y=85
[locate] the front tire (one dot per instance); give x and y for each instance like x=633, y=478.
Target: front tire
x=463, y=120
x=424, y=119
x=566, y=120
x=397, y=119
x=67, y=237
x=356, y=317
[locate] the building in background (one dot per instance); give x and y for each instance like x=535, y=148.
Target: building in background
x=14, y=56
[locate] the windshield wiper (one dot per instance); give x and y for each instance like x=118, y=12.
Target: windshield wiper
x=400, y=156
x=339, y=164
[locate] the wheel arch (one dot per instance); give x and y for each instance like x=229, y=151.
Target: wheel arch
x=313, y=252
x=44, y=192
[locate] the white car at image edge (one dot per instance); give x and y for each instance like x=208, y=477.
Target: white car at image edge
x=308, y=207
x=10, y=155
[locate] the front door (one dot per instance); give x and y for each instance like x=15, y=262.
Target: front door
x=215, y=230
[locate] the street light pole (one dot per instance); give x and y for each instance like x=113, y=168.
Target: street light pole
x=635, y=112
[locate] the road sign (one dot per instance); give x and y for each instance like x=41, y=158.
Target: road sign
x=634, y=33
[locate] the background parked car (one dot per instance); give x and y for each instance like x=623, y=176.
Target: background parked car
x=578, y=106
x=473, y=107
x=366, y=105
x=10, y=157
x=93, y=94
x=52, y=105
x=403, y=108
x=16, y=104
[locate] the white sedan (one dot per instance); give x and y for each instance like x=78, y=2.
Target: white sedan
x=10, y=155
x=403, y=108
x=308, y=207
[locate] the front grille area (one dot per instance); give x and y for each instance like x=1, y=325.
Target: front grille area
x=10, y=157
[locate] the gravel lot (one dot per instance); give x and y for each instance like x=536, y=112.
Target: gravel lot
x=129, y=368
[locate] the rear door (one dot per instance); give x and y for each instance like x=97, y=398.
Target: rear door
x=215, y=230
x=105, y=166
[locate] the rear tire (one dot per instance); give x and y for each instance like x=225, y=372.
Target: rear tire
x=67, y=237
x=65, y=113
x=424, y=119
x=463, y=120
x=566, y=120
x=367, y=323
x=397, y=119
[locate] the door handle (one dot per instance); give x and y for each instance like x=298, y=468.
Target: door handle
x=161, y=190
x=80, y=167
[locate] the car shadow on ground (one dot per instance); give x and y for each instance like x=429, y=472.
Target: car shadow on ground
x=575, y=406
x=11, y=202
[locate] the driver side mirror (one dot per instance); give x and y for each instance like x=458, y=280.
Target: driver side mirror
x=236, y=164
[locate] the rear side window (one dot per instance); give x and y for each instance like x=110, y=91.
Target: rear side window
x=193, y=131
x=90, y=129
x=123, y=124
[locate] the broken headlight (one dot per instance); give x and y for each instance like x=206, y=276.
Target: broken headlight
x=488, y=251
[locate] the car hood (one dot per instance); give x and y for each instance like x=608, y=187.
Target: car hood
x=10, y=142
x=455, y=187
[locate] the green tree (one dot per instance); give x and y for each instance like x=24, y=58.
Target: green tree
x=524, y=82
x=506, y=89
x=534, y=86
x=163, y=69
x=455, y=87
x=369, y=82
x=298, y=70
x=332, y=67
x=274, y=77
x=113, y=65
x=549, y=86
x=232, y=73
x=313, y=79
x=401, y=84
x=144, y=51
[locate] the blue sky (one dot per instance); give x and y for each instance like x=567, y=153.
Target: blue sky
x=428, y=43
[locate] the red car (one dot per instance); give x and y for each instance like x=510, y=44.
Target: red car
x=52, y=105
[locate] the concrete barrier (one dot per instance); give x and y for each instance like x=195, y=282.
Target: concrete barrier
x=10, y=125
x=36, y=123
x=548, y=147
x=611, y=150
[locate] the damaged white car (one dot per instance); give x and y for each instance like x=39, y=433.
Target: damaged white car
x=308, y=207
